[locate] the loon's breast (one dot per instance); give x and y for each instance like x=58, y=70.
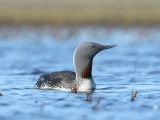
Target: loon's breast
x=85, y=85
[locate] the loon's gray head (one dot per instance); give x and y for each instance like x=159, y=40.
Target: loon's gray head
x=84, y=55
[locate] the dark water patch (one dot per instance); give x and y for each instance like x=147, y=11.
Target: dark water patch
x=17, y=88
x=106, y=88
x=149, y=107
x=67, y=106
x=157, y=72
x=4, y=104
x=33, y=72
x=60, y=99
x=37, y=72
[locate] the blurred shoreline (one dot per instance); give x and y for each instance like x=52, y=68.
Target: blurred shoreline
x=73, y=12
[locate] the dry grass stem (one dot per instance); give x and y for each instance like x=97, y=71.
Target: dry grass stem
x=133, y=95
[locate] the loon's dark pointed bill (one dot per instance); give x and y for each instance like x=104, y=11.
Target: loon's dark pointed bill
x=109, y=46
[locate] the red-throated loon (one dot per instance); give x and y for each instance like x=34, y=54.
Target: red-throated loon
x=80, y=80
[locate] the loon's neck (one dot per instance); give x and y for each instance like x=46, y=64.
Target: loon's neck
x=87, y=72
x=83, y=68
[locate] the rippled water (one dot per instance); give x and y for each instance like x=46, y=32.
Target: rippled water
x=28, y=52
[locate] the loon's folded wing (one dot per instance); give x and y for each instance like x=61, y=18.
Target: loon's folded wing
x=55, y=80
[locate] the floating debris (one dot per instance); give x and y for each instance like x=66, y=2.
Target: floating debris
x=89, y=98
x=1, y=94
x=155, y=107
x=133, y=95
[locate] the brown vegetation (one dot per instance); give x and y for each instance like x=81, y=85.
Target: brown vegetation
x=79, y=12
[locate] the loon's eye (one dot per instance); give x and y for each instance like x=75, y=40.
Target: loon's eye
x=93, y=46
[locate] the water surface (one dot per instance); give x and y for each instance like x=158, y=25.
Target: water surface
x=28, y=52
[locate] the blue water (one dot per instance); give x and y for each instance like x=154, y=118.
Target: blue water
x=28, y=52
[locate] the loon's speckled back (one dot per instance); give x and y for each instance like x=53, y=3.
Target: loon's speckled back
x=56, y=80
